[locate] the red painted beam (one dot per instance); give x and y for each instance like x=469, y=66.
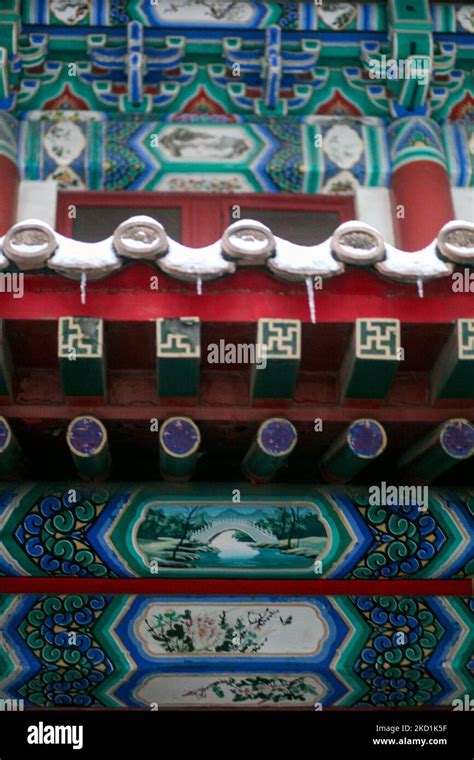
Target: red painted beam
x=297, y=413
x=232, y=587
x=243, y=297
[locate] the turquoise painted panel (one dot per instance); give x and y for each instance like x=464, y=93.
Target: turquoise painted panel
x=82, y=149
x=207, y=531
x=168, y=652
x=237, y=15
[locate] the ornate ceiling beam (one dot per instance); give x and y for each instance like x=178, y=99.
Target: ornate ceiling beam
x=318, y=533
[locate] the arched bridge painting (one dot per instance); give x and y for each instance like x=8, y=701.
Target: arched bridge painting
x=231, y=537
x=129, y=531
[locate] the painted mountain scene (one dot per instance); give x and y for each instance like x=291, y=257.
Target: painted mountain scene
x=233, y=538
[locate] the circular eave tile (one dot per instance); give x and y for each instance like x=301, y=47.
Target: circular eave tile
x=140, y=237
x=248, y=241
x=456, y=242
x=355, y=243
x=30, y=244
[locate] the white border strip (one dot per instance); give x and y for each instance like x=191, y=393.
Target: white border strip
x=372, y=205
x=37, y=200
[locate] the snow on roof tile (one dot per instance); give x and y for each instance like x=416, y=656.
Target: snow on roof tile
x=33, y=245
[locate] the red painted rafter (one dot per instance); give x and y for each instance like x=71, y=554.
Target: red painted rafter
x=8, y=193
x=229, y=587
x=297, y=413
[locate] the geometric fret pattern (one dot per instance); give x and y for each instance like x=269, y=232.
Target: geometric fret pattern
x=378, y=338
x=79, y=336
x=281, y=337
x=279, y=343
x=178, y=337
x=81, y=356
x=453, y=373
x=466, y=338
x=374, y=353
x=178, y=356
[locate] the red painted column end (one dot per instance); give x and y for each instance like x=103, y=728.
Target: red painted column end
x=9, y=182
x=421, y=203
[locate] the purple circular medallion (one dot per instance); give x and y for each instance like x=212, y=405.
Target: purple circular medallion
x=277, y=437
x=366, y=438
x=86, y=435
x=4, y=434
x=457, y=439
x=180, y=436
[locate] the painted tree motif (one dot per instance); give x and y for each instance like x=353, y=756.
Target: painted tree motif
x=259, y=689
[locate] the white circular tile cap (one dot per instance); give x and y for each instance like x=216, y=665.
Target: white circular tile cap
x=30, y=243
x=248, y=240
x=140, y=237
x=357, y=243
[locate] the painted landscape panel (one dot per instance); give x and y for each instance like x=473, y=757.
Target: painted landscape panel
x=233, y=537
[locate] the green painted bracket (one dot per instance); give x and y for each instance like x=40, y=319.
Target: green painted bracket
x=178, y=356
x=81, y=356
x=372, y=359
x=453, y=374
x=279, y=353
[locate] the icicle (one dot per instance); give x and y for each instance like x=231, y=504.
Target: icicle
x=199, y=286
x=311, y=299
x=83, y=287
x=419, y=285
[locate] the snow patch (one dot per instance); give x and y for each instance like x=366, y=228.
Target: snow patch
x=411, y=266
x=297, y=262
x=195, y=263
x=73, y=257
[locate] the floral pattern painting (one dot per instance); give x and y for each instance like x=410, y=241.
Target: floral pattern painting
x=183, y=633
x=260, y=689
x=89, y=651
x=233, y=689
x=231, y=629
